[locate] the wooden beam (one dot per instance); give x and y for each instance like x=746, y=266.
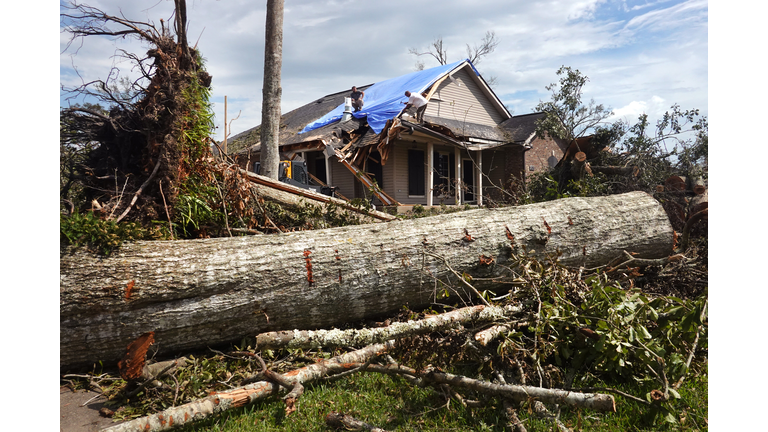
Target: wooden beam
x=368, y=182
x=430, y=173
x=479, y=186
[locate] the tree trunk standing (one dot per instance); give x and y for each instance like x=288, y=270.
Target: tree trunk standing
x=270, y=104
x=196, y=293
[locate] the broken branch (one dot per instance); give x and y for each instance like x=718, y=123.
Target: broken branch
x=338, y=420
x=312, y=339
x=234, y=398
x=595, y=401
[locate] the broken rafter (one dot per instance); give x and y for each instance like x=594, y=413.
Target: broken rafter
x=304, y=193
x=367, y=181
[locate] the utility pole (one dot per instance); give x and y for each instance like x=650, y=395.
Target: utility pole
x=225, y=126
x=270, y=105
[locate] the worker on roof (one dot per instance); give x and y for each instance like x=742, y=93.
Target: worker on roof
x=357, y=99
x=415, y=102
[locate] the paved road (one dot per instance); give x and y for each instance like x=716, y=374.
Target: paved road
x=76, y=418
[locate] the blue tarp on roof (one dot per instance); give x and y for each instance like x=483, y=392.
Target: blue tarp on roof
x=384, y=100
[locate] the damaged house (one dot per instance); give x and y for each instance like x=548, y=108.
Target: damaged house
x=466, y=150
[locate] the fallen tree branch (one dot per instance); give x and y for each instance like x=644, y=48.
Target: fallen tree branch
x=688, y=226
x=544, y=414
x=641, y=262
x=312, y=339
x=219, y=402
x=595, y=401
x=610, y=390
x=152, y=372
x=514, y=423
x=295, y=388
x=138, y=192
x=702, y=317
x=338, y=420
x=490, y=334
x=460, y=277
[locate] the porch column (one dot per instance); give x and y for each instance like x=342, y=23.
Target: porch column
x=328, y=178
x=457, y=179
x=430, y=173
x=479, y=182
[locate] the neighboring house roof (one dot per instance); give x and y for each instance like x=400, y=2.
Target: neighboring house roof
x=521, y=129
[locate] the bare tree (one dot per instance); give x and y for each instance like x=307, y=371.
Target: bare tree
x=475, y=54
x=487, y=46
x=270, y=107
x=435, y=50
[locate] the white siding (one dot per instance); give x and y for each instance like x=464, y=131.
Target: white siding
x=464, y=100
x=399, y=184
x=343, y=179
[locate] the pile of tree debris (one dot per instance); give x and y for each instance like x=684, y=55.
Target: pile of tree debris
x=551, y=320
x=497, y=275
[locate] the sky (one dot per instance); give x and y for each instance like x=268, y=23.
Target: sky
x=640, y=56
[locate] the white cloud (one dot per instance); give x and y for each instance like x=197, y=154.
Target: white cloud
x=654, y=107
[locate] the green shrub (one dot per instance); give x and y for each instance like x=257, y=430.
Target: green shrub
x=85, y=229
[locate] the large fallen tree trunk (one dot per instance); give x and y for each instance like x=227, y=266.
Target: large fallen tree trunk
x=197, y=293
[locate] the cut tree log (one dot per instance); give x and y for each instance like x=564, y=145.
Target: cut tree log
x=698, y=203
x=698, y=185
x=676, y=183
x=580, y=166
x=198, y=293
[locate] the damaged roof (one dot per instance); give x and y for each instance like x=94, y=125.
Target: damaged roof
x=318, y=123
x=384, y=100
x=291, y=123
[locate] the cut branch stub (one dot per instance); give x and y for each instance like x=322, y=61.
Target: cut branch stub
x=676, y=183
x=132, y=364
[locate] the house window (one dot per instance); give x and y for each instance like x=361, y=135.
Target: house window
x=445, y=171
x=416, y=172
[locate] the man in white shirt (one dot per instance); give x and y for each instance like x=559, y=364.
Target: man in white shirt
x=418, y=102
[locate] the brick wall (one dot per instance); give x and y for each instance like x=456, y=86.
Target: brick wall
x=544, y=154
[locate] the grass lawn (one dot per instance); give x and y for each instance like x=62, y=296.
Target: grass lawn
x=393, y=404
